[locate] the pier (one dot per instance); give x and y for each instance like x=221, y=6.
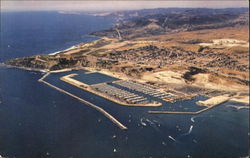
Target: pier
x=109, y=116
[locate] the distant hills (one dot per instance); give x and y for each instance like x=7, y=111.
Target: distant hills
x=146, y=22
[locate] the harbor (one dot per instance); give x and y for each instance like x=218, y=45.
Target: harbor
x=59, y=116
x=115, y=121
x=132, y=93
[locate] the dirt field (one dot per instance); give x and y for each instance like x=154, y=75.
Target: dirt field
x=221, y=43
x=164, y=76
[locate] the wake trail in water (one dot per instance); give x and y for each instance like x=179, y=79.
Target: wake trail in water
x=146, y=122
x=170, y=137
x=143, y=122
x=238, y=107
x=189, y=131
x=192, y=118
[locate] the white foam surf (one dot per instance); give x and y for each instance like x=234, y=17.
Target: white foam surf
x=68, y=49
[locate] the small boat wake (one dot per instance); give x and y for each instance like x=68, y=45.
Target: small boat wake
x=238, y=107
x=192, y=118
x=142, y=120
x=145, y=122
x=189, y=131
x=170, y=137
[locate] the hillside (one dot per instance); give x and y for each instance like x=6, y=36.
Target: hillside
x=204, y=48
x=134, y=24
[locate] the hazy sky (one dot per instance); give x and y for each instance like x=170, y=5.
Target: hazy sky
x=9, y=5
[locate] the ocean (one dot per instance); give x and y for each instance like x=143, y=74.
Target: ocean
x=38, y=121
x=30, y=33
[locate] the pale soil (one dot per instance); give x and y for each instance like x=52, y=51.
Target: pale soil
x=118, y=75
x=177, y=39
x=61, y=70
x=202, y=80
x=226, y=43
x=164, y=76
x=114, y=45
x=241, y=99
x=239, y=33
x=72, y=51
x=109, y=73
x=153, y=25
x=214, y=101
x=119, y=46
x=223, y=98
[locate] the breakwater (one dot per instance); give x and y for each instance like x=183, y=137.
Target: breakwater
x=109, y=116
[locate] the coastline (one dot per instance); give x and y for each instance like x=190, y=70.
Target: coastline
x=238, y=99
x=52, y=54
x=103, y=71
x=24, y=68
x=75, y=46
x=43, y=116
x=61, y=51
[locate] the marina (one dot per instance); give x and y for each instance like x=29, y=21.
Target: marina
x=163, y=95
x=131, y=93
x=110, y=92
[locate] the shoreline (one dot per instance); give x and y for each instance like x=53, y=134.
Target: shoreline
x=75, y=46
x=61, y=51
x=24, y=68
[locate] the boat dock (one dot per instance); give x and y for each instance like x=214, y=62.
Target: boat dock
x=145, y=89
x=123, y=95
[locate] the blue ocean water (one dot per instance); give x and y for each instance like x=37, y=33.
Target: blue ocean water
x=30, y=33
x=37, y=121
